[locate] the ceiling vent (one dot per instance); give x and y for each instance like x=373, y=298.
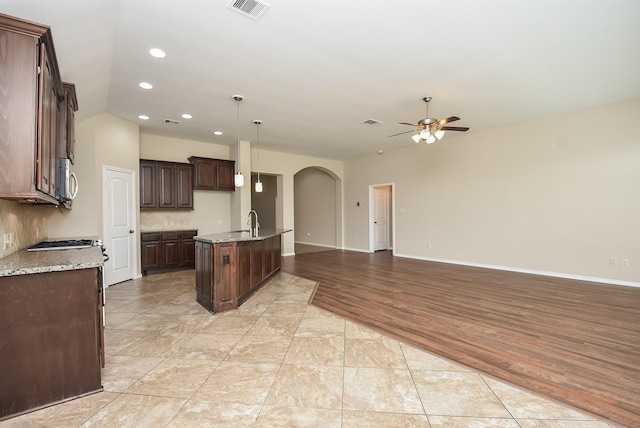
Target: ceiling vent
x=371, y=122
x=172, y=121
x=254, y=9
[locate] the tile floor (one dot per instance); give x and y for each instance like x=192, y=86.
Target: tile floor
x=278, y=362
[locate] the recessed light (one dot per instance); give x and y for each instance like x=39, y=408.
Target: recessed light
x=217, y=132
x=157, y=53
x=187, y=116
x=143, y=117
x=145, y=85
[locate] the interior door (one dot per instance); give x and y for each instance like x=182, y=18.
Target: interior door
x=119, y=225
x=381, y=218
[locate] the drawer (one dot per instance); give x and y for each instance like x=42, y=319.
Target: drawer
x=188, y=234
x=150, y=236
x=170, y=236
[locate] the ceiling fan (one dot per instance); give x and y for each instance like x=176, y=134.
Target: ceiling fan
x=429, y=129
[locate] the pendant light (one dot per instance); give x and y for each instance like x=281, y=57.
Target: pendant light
x=239, y=178
x=258, y=183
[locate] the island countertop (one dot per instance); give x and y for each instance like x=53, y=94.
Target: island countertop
x=240, y=235
x=27, y=262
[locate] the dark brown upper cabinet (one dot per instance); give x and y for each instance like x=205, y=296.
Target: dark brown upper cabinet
x=213, y=174
x=166, y=185
x=32, y=95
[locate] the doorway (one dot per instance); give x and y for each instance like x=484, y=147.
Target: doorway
x=119, y=224
x=381, y=223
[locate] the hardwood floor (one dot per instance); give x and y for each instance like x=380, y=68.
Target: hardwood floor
x=574, y=341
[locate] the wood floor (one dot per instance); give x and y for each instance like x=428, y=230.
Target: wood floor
x=574, y=341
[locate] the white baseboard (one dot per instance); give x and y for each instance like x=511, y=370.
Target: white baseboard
x=531, y=271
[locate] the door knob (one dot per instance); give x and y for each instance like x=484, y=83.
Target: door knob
x=131, y=230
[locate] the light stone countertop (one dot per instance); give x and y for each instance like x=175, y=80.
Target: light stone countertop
x=28, y=262
x=240, y=235
x=172, y=229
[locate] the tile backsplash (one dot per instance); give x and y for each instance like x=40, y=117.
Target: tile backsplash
x=166, y=220
x=21, y=225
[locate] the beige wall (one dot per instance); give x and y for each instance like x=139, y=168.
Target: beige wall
x=315, y=207
x=558, y=195
x=101, y=140
x=211, y=213
x=285, y=166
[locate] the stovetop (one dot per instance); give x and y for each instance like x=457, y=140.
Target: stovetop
x=67, y=244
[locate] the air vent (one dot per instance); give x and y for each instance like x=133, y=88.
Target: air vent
x=371, y=122
x=172, y=121
x=254, y=9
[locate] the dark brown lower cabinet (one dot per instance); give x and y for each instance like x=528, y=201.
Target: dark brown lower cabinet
x=51, y=339
x=167, y=250
x=228, y=273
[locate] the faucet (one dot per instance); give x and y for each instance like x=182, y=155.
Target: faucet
x=253, y=228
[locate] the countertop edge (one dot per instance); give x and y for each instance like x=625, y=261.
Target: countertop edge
x=238, y=236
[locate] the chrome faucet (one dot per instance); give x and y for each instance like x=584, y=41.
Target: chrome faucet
x=253, y=227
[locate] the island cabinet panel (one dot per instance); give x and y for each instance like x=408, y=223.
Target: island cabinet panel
x=225, y=289
x=204, y=275
x=50, y=338
x=244, y=268
x=238, y=269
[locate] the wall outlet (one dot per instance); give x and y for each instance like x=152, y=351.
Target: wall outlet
x=613, y=261
x=8, y=240
x=624, y=262
x=220, y=222
x=428, y=244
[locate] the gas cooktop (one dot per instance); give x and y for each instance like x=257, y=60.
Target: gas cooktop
x=67, y=244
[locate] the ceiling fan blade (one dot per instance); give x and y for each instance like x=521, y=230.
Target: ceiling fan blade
x=447, y=120
x=454, y=128
x=410, y=124
x=400, y=133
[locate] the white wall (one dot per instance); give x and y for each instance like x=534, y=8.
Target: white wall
x=558, y=195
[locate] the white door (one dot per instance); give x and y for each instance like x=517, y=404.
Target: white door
x=119, y=225
x=380, y=218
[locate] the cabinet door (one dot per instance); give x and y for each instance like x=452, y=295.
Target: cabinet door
x=204, y=173
x=150, y=256
x=257, y=262
x=184, y=186
x=148, y=181
x=171, y=254
x=188, y=248
x=166, y=185
x=171, y=250
x=48, y=127
x=225, y=175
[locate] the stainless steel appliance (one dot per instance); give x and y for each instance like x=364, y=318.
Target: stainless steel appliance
x=67, y=182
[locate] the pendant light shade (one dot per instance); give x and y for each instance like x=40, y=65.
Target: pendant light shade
x=239, y=178
x=258, y=183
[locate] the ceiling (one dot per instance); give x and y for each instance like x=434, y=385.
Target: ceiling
x=314, y=71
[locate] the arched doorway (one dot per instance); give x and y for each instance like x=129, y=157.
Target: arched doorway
x=317, y=210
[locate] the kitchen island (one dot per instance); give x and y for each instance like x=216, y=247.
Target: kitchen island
x=51, y=332
x=231, y=266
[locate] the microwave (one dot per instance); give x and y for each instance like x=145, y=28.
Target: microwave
x=67, y=181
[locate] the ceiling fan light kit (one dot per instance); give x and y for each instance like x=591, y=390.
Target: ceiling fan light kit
x=431, y=130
